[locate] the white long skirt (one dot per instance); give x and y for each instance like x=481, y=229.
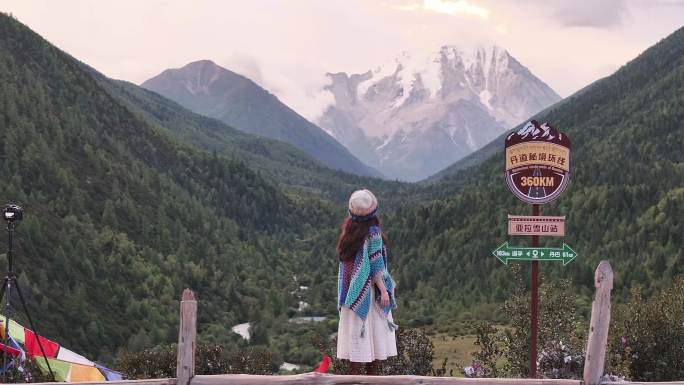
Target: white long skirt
x=378, y=342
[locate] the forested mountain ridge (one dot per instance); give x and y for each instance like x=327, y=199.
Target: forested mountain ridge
x=625, y=201
x=281, y=162
x=214, y=91
x=120, y=218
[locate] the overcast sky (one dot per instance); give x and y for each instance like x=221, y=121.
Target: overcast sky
x=287, y=46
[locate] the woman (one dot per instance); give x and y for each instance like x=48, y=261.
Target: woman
x=365, y=289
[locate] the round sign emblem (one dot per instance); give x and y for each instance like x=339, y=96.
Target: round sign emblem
x=537, y=162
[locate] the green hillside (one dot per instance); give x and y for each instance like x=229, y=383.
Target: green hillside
x=120, y=217
x=625, y=201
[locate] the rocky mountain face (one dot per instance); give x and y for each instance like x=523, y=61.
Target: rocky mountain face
x=420, y=113
x=211, y=90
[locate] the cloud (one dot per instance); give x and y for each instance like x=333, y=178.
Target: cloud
x=501, y=29
x=288, y=46
x=245, y=65
x=407, y=7
x=455, y=7
x=303, y=94
x=449, y=7
x=596, y=14
x=663, y=2
x=299, y=85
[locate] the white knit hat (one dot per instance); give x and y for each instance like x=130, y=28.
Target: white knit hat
x=362, y=203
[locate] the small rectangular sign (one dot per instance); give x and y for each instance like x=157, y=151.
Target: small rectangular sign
x=531, y=225
x=507, y=253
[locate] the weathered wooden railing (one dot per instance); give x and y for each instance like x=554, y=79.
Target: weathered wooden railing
x=331, y=379
x=593, y=367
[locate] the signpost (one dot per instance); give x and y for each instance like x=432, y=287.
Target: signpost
x=537, y=163
x=506, y=253
x=537, y=171
x=530, y=225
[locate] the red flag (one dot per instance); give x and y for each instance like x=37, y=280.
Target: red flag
x=10, y=350
x=33, y=349
x=324, y=365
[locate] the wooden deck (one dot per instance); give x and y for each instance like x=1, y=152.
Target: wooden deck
x=331, y=379
x=155, y=381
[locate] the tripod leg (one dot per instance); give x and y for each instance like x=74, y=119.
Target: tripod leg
x=6, y=338
x=33, y=327
x=4, y=286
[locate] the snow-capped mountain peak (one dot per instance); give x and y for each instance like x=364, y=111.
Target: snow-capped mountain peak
x=457, y=98
x=424, y=72
x=410, y=70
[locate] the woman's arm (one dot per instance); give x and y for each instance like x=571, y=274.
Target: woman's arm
x=384, y=296
x=377, y=265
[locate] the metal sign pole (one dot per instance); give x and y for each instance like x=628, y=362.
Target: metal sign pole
x=537, y=171
x=534, y=304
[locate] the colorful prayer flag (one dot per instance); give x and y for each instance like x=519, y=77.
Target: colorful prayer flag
x=33, y=348
x=66, y=365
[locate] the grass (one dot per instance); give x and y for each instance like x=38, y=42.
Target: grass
x=458, y=350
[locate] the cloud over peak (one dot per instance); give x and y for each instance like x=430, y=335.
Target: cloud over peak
x=449, y=7
x=596, y=14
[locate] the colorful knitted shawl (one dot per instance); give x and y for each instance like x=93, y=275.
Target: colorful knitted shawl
x=370, y=261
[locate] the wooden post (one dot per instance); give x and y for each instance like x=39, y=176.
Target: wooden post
x=187, y=334
x=600, y=322
x=534, y=304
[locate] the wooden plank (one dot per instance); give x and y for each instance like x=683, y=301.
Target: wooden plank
x=600, y=323
x=330, y=379
x=154, y=381
x=315, y=378
x=644, y=383
x=187, y=335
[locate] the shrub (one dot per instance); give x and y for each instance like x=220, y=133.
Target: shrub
x=558, y=336
x=160, y=361
x=442, y=371
x=646, y=341
x=28, y=372
x=476, y=370
x=157, y=362
x=561, y=360
x=414, y=354
x=489, y=353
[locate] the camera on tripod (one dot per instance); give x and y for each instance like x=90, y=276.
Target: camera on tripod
x=12, y=213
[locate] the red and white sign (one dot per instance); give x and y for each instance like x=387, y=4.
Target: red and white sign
x=537, y=162
x=529, y=225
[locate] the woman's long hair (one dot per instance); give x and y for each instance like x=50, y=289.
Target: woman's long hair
x=352, y=236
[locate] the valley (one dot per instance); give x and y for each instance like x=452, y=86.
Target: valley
x=132, y=194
